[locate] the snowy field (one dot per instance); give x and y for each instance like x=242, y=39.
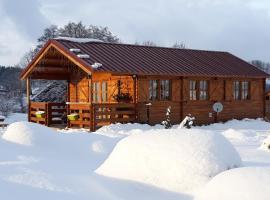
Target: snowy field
x=132, y=161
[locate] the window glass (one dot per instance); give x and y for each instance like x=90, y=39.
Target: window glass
x=192, y=90
x=165, y=89
x=203, y=90
x=236, y=90
x=245, y=90
x=104, y=91
x=153, y=90
x=96, y=92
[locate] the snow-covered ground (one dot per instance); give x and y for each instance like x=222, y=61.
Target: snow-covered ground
x=134, y=161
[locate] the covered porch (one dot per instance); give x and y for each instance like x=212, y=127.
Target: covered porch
x=95, y=99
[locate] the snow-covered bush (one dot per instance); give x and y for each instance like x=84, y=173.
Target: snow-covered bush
x=167, y=122
x=169, y=159
x=266, y=144
x=248, y=183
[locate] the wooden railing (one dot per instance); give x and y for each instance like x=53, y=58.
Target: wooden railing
x=105, y=114
x=85, y=115
x=55, y=113
x=91, y=116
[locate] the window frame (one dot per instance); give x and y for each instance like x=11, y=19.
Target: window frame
x=159, y=89
x=242, y=90
x=98, y=92
x=162, y=91
x=198, y=90
x=151, y=90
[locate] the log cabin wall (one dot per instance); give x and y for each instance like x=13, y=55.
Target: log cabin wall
x=222, y=90
x=219, y=89
x=126, y=84
x=79, y=85
x=158, y=108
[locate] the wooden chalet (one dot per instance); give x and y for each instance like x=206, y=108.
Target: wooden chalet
x=110, y=83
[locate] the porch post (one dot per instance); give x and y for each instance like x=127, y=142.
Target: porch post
x=91, y=107
x=28, y=93
x=68, y=100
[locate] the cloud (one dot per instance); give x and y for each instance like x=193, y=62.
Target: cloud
x=237, y=26
x=26, y=15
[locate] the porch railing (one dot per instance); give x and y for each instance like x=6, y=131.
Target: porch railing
x=55, y=113
x=91, y=116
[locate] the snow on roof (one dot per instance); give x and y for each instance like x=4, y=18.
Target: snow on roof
x=79, y=40
x=83, y=56
x=96, y=65
x=75, y=50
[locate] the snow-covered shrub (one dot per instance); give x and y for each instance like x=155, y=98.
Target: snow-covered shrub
x=167, y=122
x=266, y=144
x=187, y=122
x=171, y=160
x=248, y=183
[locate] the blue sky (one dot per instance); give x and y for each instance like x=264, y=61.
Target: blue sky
x=238, y=26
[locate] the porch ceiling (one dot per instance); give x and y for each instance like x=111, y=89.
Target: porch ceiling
x=53, y=64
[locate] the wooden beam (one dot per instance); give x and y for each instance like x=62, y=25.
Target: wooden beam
x=50, y=70
x=50, y=76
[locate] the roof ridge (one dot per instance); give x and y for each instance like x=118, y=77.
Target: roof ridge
x=144, y=46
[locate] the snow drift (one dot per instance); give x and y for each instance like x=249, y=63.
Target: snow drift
x=177, y=161
x=248, y=183
x=27, y=133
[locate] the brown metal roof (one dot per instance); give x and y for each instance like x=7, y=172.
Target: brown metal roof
x=143, y=60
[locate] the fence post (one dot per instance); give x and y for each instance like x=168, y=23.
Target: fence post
x=92, y=118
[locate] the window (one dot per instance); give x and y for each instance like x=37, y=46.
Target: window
x=192, y=90
x=241, y=90
x=96, y=92
x=104, y=91
x=165, y=90
x=236, y=90
x=159, y=90
x=245, y=90
x=100, y=92
x=203, y=90
x=153, y=89
x=198, y=90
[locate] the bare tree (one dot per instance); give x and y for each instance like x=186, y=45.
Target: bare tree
x=149, y=43
x=178, y=45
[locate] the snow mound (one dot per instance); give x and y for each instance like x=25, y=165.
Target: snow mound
x=27, y=133
x=247, y=183
x=120, y=130
x=176, y=160
x=235, y=135
x=266, y=144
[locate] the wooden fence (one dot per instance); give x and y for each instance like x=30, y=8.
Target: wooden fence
x=91, y=116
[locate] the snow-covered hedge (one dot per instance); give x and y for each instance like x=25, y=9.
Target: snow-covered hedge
x=176, y=160
x=248, y=183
